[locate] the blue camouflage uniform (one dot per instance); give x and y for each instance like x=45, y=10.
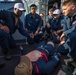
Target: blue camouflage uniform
x=6, y=39
x=32, y=24
x=70, y=43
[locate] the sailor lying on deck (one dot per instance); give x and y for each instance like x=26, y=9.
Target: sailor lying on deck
x=37, y=62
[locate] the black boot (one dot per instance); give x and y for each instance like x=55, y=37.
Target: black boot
x=6, y=53
x=7, y=56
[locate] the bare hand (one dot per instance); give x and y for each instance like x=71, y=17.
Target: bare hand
x=62, y=42
x=48, y=25
x=58, y=31
x=32, y=35
x=63, y=35
x=74, y=23
x=26, y=29
x=5, y=28
x=36, y=33
x=55, y=33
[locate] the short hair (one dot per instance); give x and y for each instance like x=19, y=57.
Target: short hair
x=51, y=9
x=68, y=2
x=33, y=5
x=42, y=13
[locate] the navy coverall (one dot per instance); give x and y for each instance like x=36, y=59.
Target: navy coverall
x=55, y=26
x=44, y=66
x=6, y=39
x=32, y=24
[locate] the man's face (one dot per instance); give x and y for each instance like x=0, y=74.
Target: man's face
x=33, y=10
x=51, y=12
x=42, y=15
x=56, y=16
x=17, y=12
x=68, y=10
